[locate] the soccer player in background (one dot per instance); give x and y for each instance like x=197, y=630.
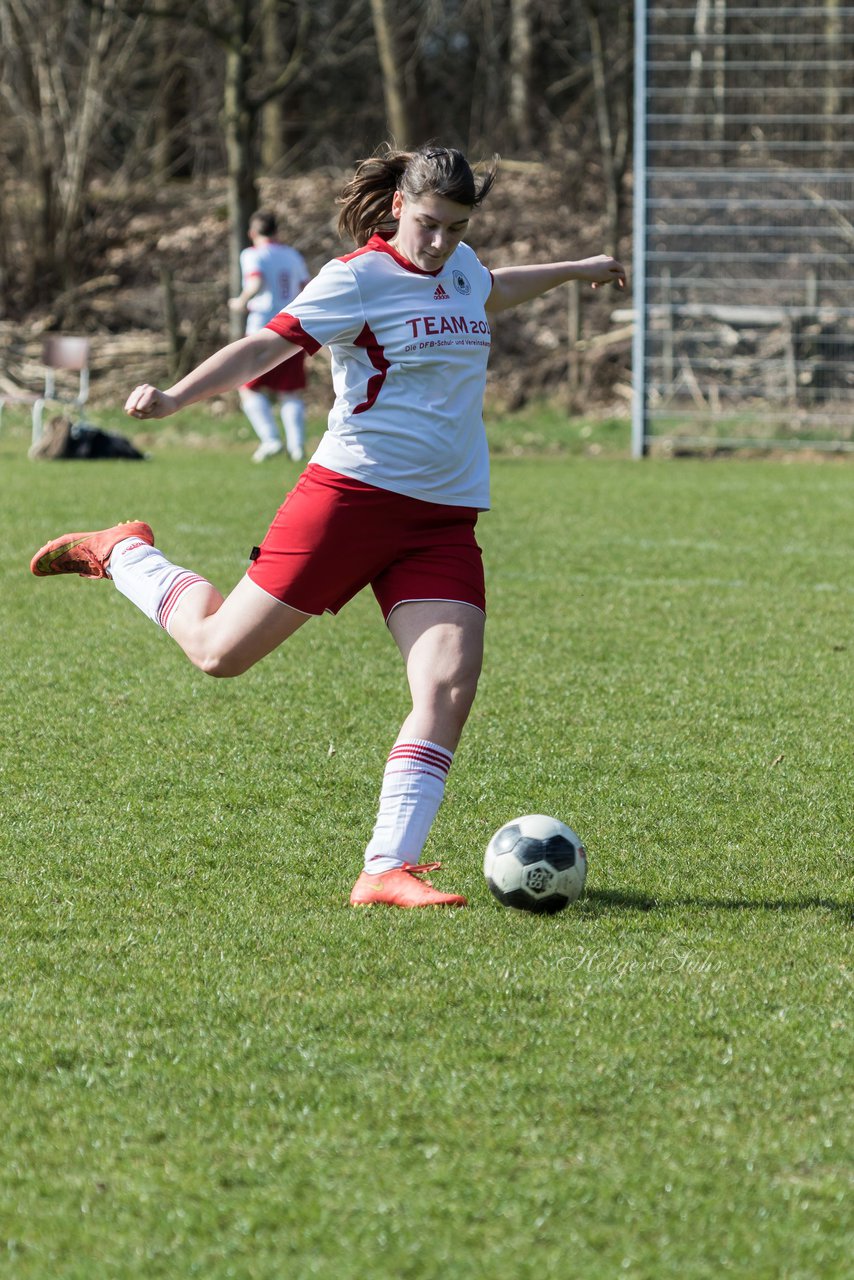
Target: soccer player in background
x=390, y=498
x=272, y=274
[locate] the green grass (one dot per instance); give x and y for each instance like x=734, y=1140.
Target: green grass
x=539, y=429
x=211, y=1067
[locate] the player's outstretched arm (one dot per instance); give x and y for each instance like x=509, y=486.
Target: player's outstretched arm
x=226, y=369
x=512, y=285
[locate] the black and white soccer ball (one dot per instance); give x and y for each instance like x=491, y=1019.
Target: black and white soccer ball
x=535, y=863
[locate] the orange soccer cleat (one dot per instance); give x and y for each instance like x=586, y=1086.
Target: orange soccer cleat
x=86, y=553
x=403, y=887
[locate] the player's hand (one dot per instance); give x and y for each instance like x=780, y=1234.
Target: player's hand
x=147, y=402
x=236, y=304
x=603, y=269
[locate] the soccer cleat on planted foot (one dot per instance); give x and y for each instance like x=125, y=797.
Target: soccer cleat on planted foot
x=86, y=553
x=403, y=887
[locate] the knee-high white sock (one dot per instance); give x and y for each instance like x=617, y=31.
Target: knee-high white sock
x=292, y=411
x=259, y=411
x=149, y=580
x=412, y=790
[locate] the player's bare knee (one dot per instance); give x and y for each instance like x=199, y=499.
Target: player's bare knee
x=453, y=698
x=222, y=666
x=464, y=686
x=462, y=699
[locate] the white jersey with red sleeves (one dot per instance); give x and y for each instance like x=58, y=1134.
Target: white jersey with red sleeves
x=409, y=354
x=283, y=272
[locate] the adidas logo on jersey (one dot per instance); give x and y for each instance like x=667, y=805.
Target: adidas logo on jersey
x=440, y=295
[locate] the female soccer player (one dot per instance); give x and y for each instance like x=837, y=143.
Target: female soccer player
x=272, y=274
x=390, y=498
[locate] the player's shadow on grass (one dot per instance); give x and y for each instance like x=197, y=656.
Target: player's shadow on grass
x=598, y=901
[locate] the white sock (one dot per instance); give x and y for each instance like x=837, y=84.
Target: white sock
x=292, y=411
x=412, y=790
x=259, y=411
x=149, y=580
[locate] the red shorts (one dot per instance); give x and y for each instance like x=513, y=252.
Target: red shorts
x=287, y=376
x=333, y=536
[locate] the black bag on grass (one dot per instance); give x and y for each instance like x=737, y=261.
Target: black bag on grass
x=63, y=438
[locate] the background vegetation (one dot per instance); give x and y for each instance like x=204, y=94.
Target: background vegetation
x=136, y=139
x=105, y=97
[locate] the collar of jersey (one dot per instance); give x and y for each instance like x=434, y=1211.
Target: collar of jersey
x=381, y=244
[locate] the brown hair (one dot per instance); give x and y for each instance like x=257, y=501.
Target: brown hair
x=263, y=222
x=442, y=171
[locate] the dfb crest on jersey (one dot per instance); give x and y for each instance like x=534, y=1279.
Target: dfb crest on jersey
x=461, y=284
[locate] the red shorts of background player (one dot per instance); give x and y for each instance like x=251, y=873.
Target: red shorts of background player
x=333, y=536
x=287, y=376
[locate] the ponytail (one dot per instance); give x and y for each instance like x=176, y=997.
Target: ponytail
x=366, y=199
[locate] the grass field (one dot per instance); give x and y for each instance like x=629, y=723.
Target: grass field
x=210, y=1066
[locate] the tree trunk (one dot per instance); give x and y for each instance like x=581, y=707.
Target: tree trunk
x=272, y=115
x=521, y=49
x=832, y=96
x=397, y=115
x=242, y=189
x=693, y=90
x=719, y=78
x=603, y=119
x=90, y=113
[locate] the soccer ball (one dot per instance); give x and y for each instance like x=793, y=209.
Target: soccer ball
x=535, y=863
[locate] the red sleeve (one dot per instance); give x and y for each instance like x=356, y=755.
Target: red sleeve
x=289, y=328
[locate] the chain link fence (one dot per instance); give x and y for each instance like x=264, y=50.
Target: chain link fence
x=744, y=226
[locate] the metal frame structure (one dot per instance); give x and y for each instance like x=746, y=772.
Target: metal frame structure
x=743, y=272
